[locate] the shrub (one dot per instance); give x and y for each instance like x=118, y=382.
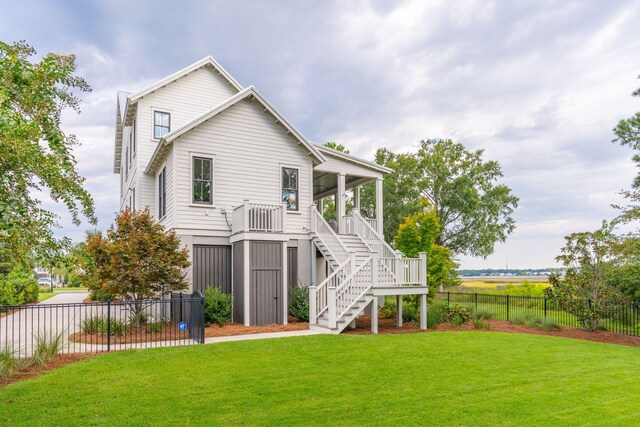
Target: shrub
x=550, y=325
x=19, y=287
x=47, y=347
x=525, y=319
x=299, y=302
x=457, y=315
x=532, y=321
x=410, y=313
x=9, y=364
x=481, y=324
x=99, y=325
x=217, y=307
x=388, y=310
x=99, y=295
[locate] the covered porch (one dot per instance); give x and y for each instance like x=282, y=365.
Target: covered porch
x=342, y=177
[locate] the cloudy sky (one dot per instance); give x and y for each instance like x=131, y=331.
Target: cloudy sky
x=537, y=84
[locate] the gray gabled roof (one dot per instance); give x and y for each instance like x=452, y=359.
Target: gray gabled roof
x=249, y=92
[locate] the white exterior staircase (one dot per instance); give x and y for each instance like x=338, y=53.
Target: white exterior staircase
x=360, y=264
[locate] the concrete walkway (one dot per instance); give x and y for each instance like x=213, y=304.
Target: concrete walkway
x=266, y=335
x=66, y=297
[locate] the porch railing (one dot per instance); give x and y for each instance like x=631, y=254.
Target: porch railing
x=261, y=217
x=332, y=242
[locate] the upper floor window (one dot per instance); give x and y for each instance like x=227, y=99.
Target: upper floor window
x=162, y=193
x=161, y=124
x=202, y=180
x=290, y=191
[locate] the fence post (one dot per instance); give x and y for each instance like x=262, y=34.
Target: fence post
x=507, y=307
x=109, y=325
x=448, y=298
x=545, y=307
x=476, y=298
x=202, y=319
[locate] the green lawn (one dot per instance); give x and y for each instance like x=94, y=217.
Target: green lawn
x=45, y=295
x=455, y=378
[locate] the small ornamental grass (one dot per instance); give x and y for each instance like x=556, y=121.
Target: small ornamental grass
x=47, y=348
x=532, y=321
x=9, y=363
x=99, y=325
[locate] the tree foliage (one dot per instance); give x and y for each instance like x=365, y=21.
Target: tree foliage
x=336, y=146
x=474, y=210
x=418, y=233
x=36, y=155
x=136, y=259
x=586, y=290
x=401, y=194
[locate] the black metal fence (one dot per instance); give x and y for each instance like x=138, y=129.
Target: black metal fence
x=621, y=317
x=103, y=326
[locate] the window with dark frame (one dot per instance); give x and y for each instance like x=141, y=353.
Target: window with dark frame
x=290, y=193
x=202, y=180
x=162, y=194
x=161, y=124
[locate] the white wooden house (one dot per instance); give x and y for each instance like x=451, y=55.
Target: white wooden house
x=239, y=184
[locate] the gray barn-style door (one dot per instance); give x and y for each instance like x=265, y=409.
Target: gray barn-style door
x=266, y=283
x=212, y=268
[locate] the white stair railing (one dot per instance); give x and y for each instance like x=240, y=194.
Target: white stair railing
x=344, y=297
x=336, y=247
x=319, y=295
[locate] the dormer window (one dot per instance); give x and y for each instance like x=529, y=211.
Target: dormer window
x=161, y=124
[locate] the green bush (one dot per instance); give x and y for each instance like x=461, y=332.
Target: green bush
x=388, y=310
x=410, y=313
x=47, y=347
x=217, y=307
x=99, y=295
x=532, y=321
x=99, y=325
x=456, y=315
x=74, y=281
x=19, y=287
x=299, y=302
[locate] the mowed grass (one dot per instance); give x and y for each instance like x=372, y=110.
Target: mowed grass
x=45, y=295
x=446, y=378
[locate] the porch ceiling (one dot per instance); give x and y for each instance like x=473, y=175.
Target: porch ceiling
x=326, y=183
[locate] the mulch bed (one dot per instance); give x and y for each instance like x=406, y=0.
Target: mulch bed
x=138, y=334
x=388, y=326
x=230, y=329
x=34, y=370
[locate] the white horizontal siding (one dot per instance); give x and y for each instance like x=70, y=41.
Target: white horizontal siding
x=185, y=99
x=249, y=149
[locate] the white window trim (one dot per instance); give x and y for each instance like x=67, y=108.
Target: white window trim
x=213, y=180
x=298, y=168
x=153, y=113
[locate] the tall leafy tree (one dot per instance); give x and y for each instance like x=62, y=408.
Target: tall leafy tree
x=36, y=155
x=473, y=208
x=627, y=133
x=136, y=259
x=418, y=233
x=401, y=194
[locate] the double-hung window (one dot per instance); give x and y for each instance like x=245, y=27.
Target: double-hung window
x=202, y=180
x=162, y=194
x=290, y=189
x=161, y=124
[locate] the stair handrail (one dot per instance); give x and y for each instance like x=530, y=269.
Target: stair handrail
x=320, y=291
x=334, y=293
x=387, y=250
x=323, y=230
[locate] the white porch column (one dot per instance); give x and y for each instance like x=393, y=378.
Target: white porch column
x=340, y=202
x=285, y=284
x=374, y=316
x=321, y=206
x=379, y=205
x=423, y=312
x=246, y=285
x=399, y=310
x=356, y=198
